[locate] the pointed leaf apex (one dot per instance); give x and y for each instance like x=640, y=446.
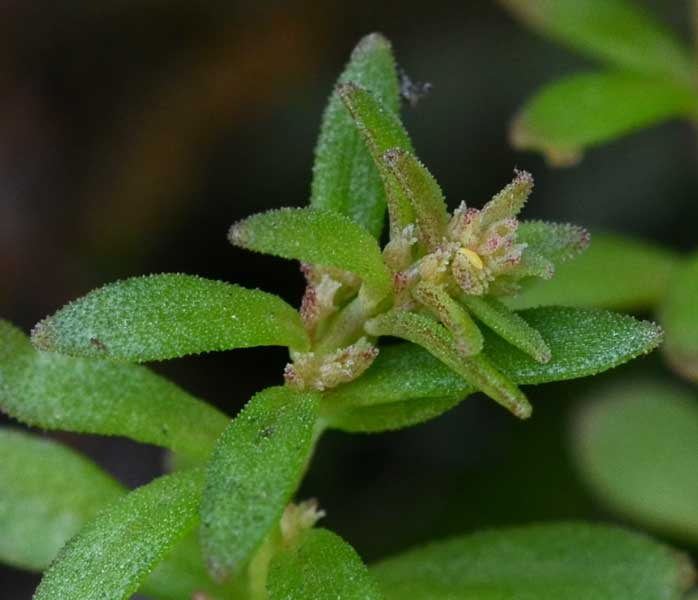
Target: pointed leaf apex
x=509, y=202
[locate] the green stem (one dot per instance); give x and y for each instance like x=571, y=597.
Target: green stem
x=347, y=326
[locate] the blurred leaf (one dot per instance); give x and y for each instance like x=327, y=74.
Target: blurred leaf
x=573, y=561
x=318, y=237
x=508, y=325
x=381, y=130
x=253, y=473
x=615, y=272
x=115, y=551
x=166, y=316
x=558, y=242
x=679, y=317
x=617, y=31
x=637, y=446
x=582, y=342
x=321, y=566
x=47, y=492
x=345, y=178
x=54, y=391
x=583, y=110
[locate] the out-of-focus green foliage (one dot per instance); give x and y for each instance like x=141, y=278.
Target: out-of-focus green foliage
x=652, y=77
x=47, y=492
x=636, y=444
x=572, y=561
x=679, y=317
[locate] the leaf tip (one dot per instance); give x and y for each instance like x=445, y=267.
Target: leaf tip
x=523, y=136
x=239, y=234
x=42, y=335
x=369, y=43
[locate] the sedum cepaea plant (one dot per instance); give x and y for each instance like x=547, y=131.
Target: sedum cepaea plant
x=224, y=524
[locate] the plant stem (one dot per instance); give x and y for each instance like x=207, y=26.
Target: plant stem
x=346, y=327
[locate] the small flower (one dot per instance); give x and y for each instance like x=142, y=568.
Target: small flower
x=480, y=245
x=323, y=371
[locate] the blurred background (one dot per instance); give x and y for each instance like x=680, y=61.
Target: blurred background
x=132, y=134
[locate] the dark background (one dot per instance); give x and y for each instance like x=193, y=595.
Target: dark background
x=132, y=134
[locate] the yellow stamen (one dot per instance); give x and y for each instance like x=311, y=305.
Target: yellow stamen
x=473, y=257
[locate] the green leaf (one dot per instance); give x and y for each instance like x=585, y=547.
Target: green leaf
x=558, y=242
x=376, y=418
x=582, y=342
x=345, y=178
x=318, y=237
x=617, y=31
x=54, y=391
x=424, y=194
x=115, y=551
x=636, y=445
x=321, y=566
x=454, y=317
x=166, y=316
x=47, y=492
x=679, y=316
x=615, y=272
x=509, y=201
x=574, y=561
x=564, y=118
x=253, y=473
x=508, y=325
x=381, y=130
x=182, y=573
x=432, y=336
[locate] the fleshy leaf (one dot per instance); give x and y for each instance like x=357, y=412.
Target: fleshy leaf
x=558, y=242
x=637, y=445
x=254, y=471
x=456, y=319
x=345, y=178
x=424, y=194
x=476, y=370
x=181, y=575
x=564, y=118
x=617, y=31
x=47, y=492
x=574, y=561
x=509, y=201
x=115, y=551
x=679, y=316
x=317, y=237
x=381, y=131
x=166, y=316
x=376, y=418
x=54, y=391
x=614, y=272
x=321, y=566
x=582, y=342
x=508, y=325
